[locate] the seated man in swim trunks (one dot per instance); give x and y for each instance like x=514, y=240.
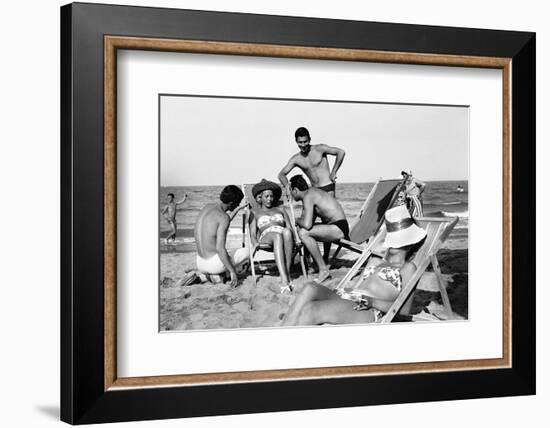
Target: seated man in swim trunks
x=210, y=235
x=270, y=225
x=334, y=225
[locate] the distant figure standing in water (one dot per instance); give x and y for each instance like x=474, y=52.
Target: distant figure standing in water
x=413, y=193
x=169, y=213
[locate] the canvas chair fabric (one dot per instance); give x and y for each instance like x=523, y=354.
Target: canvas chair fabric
x=370, y=217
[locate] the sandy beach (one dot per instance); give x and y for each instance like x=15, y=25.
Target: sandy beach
x=218, y=306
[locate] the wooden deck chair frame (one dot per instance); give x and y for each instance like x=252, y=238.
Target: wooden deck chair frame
x=358, y=247
x=425, y=256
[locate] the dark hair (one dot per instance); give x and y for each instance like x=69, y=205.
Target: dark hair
x=413, y=248
x=299, y=183
x=171, y=194
x=230, y=194
x=301, y=132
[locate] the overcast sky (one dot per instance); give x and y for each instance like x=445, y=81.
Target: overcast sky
x=214, y=141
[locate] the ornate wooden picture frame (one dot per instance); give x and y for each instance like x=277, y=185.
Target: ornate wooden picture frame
x=91, y=35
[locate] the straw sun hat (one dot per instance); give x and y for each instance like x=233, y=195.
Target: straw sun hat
x=401, y=228
x=267, y=185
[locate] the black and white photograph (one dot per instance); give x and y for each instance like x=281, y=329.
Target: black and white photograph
x=300, y=212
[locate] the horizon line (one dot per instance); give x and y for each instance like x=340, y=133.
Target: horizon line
x=339, y=182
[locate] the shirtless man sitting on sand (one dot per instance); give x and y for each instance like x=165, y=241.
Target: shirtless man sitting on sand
x=210, y=235
x=334, y=225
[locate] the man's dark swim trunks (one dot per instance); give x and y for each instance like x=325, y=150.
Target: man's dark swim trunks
x=329, y=187
x=343, y=226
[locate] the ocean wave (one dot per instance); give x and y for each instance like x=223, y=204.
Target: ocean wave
x=461, y=227
x=446, y=206
x=460, y=214
x=181, y=240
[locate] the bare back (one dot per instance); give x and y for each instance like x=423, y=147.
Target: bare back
x=207, y=225
x=324, y=205
x=315, y=166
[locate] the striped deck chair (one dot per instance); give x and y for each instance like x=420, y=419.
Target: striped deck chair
x=251, y=201
x=370, y=218
x=437, y=229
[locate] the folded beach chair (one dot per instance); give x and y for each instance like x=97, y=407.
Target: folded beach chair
x=247, y=190
x=367, y=222
x=437, y=229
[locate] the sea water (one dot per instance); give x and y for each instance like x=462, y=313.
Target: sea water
x=441, y=199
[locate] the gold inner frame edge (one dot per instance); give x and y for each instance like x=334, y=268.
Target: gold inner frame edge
x=113, y=43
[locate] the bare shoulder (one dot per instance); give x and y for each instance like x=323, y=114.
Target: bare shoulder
x=312, y=195
x=295, y=159
x=279, y=210
x=222, y=217
x=326, y=149
x=317, y=194
x=214, y=214
x=408, y=268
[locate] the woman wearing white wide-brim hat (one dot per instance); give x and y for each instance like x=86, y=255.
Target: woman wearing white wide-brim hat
x=376, y=288
x=413, y=193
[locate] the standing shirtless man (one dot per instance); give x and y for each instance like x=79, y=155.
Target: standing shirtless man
x=211, y=232
x=312, y=160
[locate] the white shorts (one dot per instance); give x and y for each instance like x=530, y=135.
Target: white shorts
x=214, y=265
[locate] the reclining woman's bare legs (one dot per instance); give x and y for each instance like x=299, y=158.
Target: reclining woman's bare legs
x=317, y=304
